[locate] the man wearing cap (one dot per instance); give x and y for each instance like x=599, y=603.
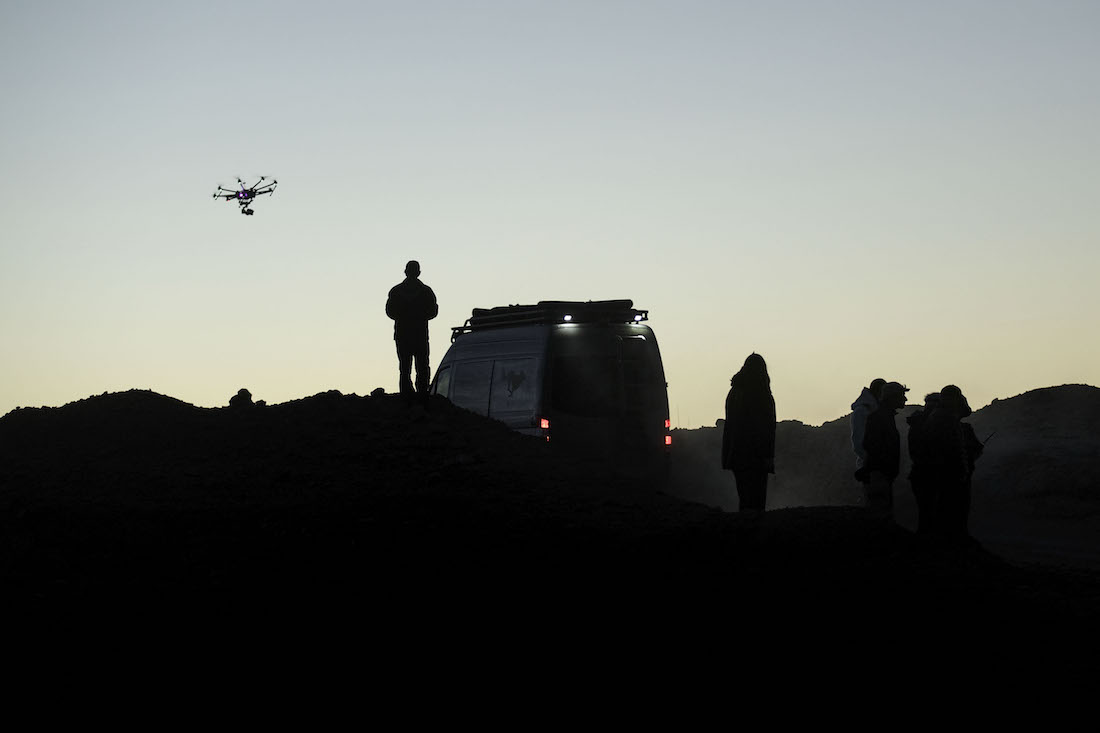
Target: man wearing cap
x=411, y=304
x=882, y=443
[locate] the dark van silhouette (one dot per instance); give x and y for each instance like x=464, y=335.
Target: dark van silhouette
x=584, y=374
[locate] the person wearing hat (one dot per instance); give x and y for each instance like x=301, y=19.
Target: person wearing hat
x=882, y=444
x=411, y=304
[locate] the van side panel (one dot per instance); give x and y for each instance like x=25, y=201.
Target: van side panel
x=498, y=373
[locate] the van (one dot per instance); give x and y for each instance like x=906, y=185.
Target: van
x=583, y=374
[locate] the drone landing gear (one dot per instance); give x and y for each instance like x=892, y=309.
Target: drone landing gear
x=247, y=212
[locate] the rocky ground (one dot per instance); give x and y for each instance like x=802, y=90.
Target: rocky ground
x=365, y=505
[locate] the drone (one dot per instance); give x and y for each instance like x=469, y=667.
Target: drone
x=244, y=196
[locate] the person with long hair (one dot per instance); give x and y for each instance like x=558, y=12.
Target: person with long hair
x=748, y=439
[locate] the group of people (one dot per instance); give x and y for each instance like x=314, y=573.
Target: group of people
x=942, y=451
x=942, y=448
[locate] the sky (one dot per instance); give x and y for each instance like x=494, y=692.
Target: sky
x=853, y=189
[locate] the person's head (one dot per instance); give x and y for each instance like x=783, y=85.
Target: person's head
x=754, y=371
x=412, y=269
x=952, y=398
x=932, y=400
x=893, y=395
x=876, y=387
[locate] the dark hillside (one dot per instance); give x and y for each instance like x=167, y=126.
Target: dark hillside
x=363, y=505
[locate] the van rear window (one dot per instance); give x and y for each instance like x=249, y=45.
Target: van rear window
x=586, y=386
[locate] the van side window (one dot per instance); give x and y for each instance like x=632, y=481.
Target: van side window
x=514, y=386
x=443, y=381
x=470, y=385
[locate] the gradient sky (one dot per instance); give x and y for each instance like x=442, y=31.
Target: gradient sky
x=851, y=188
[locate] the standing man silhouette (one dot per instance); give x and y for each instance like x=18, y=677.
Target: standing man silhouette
x=411, y=304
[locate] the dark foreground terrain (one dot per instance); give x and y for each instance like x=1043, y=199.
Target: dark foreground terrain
x=438, y=521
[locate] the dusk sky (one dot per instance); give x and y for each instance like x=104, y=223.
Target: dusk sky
x=852, y=189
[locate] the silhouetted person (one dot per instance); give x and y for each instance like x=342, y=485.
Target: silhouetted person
x=921, y=475
x=748, y=439
x=241, y=400
x=882, y=442
x=865, y=404
x=411, y=304
x=953, y=450
x=974, y=448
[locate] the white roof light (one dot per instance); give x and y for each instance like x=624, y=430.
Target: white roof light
x=567, y=317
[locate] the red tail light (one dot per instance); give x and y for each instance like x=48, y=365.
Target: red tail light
x=544, y=423
x=668, y=440
x=668, y=424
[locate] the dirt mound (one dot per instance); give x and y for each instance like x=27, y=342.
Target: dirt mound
x=364, y=502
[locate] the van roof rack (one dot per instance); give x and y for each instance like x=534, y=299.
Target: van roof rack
x=552, y=311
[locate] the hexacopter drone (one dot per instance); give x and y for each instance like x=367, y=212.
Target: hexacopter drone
x=245, y=196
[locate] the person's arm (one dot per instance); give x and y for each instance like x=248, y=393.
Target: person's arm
x=859, y=430
x=727, y=432
x=871, y=440
x=433, y=308
x=771, y=437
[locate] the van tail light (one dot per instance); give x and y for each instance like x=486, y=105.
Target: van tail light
x=668, y=423
x=668, y=440
x=544, y=423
